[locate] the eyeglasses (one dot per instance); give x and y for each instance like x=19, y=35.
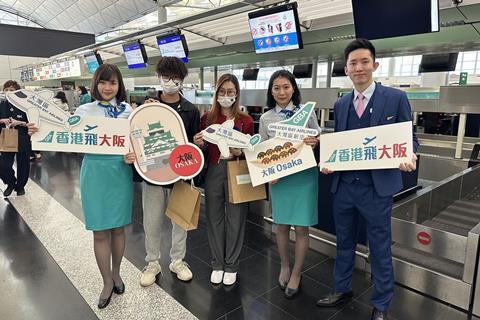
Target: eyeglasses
x=230, y=93
x=176, y=81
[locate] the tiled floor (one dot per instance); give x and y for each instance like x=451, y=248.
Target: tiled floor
x=255, y=296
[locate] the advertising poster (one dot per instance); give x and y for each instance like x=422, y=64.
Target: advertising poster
x=159, y=141
x=60, y=131
x=380, y=147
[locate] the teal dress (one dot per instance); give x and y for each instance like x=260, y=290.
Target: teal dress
x=107, y=191
x=294, y=198
x=106, y=185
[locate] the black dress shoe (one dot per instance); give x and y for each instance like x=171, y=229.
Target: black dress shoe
x=9, y=190
x=20, y=192
x=334, y=299
x=290, y=293
x=119, y=289
x=102, y=303
x=379, y=315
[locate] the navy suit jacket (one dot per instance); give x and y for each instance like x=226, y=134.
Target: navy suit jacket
x=389, y=106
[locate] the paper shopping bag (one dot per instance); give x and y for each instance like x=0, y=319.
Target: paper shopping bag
x=184, y=205
x=9, y=140
x=240, y=187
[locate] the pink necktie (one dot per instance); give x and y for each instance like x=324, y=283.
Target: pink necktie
x=360, y=105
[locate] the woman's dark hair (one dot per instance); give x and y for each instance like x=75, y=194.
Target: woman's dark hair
x=171, y=66
x=108, y=72
x=11, y=83
x=296, y=96
x=61, y=95
x=359, y=43
x=83, y=90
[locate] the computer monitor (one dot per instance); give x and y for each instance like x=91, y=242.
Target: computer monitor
x=302, y=71
x=338, y=69
x=276, y=29
x=135, y=55
x=173, y=45
x=438, y=62
x=93, y=61
x=374, y=19
x=250, y=74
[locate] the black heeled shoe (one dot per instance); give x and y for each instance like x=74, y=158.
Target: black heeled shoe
x=290, y=293
x=119, y=289
x=102, y=303
x=282, y=285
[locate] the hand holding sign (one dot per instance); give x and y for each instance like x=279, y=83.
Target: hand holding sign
x=226, y=137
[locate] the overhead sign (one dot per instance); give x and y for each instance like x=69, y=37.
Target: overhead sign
x=294, y=128
x=226, y=137
x=59, y=131
x=380, y=147
x=160, y=142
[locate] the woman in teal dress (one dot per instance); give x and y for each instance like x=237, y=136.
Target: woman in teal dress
x=106, y=184
x=294, y=198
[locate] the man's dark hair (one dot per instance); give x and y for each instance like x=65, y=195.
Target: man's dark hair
x=108, y=72
x=11, y=83
x=296, y=96
x=171, y=66
x=359, y=43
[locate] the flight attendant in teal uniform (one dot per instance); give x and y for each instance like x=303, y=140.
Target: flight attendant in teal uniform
x=106, y=185
x=294, y=198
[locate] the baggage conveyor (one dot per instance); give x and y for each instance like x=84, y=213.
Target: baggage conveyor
x=435, y=237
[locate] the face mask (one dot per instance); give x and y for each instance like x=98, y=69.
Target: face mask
x=226, y=102
x=170, y=87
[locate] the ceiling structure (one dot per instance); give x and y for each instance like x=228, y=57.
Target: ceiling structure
x=110, y=19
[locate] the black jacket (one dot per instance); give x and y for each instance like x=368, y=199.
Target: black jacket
x=191, y=120
x=8, y=110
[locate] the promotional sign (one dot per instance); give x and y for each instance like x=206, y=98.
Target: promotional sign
x=380, y=147
x=160, y=143
x=226, y=137
x=294, y=128
x=59, y=131
x=277, y=158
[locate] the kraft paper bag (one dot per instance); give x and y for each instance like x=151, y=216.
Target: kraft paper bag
x=9, y=140
x=184, y=205
x=240, y=187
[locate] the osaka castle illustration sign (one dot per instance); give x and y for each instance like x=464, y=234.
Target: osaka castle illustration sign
x=159, y=141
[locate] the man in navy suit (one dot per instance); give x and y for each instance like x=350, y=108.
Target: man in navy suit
x=368, y=193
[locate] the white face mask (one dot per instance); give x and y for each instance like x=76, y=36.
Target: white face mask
x=170, y=86
x=225, y=101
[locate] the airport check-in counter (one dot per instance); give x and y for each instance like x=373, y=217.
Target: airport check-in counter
x=435, y=222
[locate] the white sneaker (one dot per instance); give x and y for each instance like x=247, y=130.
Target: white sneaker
x=182, y=269
x=216, y=277
x=149, y=273
x=229, y=278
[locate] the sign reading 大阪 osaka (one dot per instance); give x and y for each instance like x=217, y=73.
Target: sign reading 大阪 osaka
x=285, y=153
x=60, y=131
x=380, y=147
x=160, y=143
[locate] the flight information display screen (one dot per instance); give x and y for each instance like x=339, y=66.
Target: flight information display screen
x=173, y=46
x=135, y=55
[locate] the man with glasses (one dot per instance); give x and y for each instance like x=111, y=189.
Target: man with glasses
x=171, y=71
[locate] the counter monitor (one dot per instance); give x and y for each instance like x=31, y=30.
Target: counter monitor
x=275, y=29
x=173, y=45
x=375, y=19
x=93, y=61
x=135, y=55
